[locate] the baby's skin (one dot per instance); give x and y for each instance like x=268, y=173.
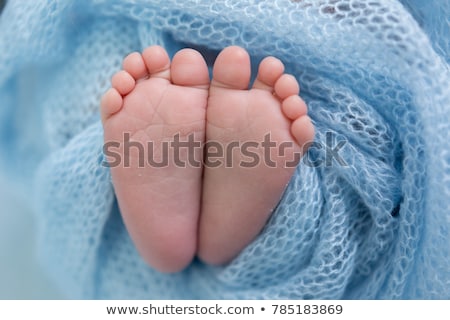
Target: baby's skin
x=220, y=154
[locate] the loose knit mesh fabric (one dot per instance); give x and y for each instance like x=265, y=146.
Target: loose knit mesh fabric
x=376, y=78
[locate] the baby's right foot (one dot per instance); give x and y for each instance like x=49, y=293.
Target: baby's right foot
x=153, y=100
x=238, y=200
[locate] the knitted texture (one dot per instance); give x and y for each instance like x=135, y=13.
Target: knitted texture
x=375, y=75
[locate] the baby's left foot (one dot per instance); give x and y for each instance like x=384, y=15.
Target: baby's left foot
x=269, y=121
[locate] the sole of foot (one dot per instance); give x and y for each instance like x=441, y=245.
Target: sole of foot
x=154, y=100
x=240, y=194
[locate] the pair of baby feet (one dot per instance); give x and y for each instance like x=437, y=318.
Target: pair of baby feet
x=178, y=210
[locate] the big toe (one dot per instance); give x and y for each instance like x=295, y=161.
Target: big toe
x=232, y=69
x=189, y=69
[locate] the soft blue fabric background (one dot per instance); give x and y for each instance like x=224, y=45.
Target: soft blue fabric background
x=21, y=276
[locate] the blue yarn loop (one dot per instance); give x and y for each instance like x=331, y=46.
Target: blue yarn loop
x=365, y=217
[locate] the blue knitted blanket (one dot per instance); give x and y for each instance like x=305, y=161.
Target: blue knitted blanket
x=370, y=220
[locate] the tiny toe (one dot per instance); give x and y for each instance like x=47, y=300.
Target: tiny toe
x=294, y=107
x=303, y=130
x=286, y=86
x=157, y=61
x=189, y=69
x=111, y=103
x=135, y=66
x=123, y=82
x=270, y=69
x=232, y=69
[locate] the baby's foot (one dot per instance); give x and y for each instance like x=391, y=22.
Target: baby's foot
x=238, y=200
x=153, y=100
